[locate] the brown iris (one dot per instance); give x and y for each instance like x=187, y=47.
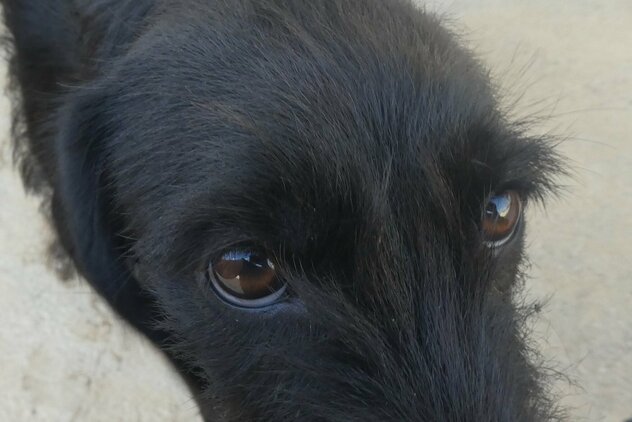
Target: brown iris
x=501, y=217
x=246, y=278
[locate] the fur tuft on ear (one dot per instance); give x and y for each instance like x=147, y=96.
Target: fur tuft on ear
x=83, y=210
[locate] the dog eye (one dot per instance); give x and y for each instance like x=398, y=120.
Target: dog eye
x=246, y=278
x=501, y=218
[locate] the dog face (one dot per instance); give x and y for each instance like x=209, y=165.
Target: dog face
x=327, y=204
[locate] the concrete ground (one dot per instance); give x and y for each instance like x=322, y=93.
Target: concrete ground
x=65, y=357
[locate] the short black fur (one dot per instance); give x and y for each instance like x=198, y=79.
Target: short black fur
x=355, y=140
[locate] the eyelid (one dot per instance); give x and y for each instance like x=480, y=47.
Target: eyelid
x=245, y=304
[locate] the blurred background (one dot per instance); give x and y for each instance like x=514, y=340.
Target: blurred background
x=65, y=357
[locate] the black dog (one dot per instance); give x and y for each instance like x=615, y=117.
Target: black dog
x=314, y=207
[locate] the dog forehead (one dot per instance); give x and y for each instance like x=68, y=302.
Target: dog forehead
x=325, y=141
x=322, y=80
x=322, y=117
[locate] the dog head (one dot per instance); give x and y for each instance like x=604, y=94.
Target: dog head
x=326, y=201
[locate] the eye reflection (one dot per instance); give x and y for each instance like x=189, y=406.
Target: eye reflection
x=500, y=206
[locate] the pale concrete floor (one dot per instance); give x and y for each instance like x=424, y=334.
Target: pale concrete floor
x=65, y=357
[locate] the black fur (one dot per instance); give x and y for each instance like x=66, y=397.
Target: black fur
x=354, y=139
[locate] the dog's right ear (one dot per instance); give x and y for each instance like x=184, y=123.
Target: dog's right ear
x=83, y=206
x=86, y=219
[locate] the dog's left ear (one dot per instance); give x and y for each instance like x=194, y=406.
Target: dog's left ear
x=83, y=206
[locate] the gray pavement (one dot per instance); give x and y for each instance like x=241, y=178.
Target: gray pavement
x=65, y=357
